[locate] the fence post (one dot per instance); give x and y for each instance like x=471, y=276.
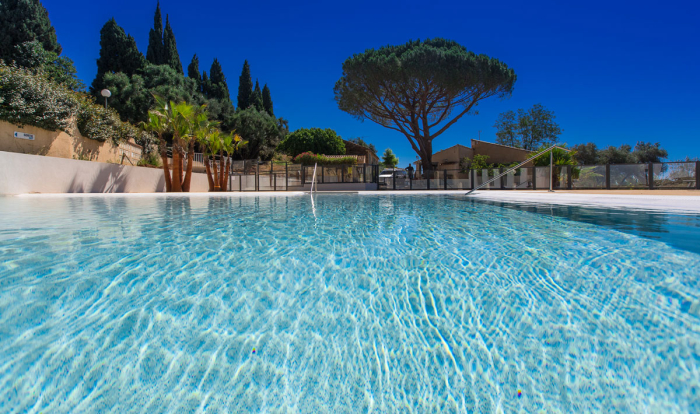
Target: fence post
x=342, y=173
x=444, y=178
x=569, y=178
x=534, y=178
x=427, y=176
x=286, y=176
x=322, y=174
x=471, y=173
x=607, y=176
x=410, y=182
x=697, y=175
x=651, y=176
x=257, y=176
x=393, y=179
x=500, y=171
x=364, y=173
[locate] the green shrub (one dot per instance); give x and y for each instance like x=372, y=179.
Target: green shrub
x=151, y=159
x=314, y=140
x=31, y=99
x=309, y=158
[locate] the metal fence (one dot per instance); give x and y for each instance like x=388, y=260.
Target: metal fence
x=664, y=175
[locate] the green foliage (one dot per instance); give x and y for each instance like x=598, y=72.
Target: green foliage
x=262, y=131
x=316, y=140
x=170, y=55
x=217, y=87
x=644, y=152
x=24, y=21
x=156, y=50
x=389, y=159
x=479, y=162
x=559, y=157
x=267, y=100
x=31, y=55
x=132, y=96
x=257, y=97
x=442, y=79
x=151, y=159
x=245, y=88
x=586, y=154
x=193, y=73
x=309, y=158
x=118, y=53
x=528, y=129
x=28, y=98
x=103, y=124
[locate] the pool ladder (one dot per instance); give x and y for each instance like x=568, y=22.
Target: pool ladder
x=551, y=162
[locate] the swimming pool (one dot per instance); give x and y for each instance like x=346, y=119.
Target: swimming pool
x=348, y=303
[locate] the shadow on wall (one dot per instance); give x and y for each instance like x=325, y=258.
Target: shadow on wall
x=113, y=179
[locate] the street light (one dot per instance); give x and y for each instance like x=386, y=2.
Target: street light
x=106, y=93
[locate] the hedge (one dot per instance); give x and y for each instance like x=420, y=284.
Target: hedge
x=309, y=158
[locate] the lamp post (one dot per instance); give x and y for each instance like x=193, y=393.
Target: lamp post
x=106, y=93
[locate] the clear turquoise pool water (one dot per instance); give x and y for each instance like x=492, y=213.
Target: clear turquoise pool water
x=352, y=304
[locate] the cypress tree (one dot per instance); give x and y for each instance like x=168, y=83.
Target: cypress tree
x=193, y=72
x=170, y=55
x=257, y=97
x=218, y=88
x=118, y=53
x=25, y=21
x=156, y=49
x=267, y=100
x=245, y=88
x=206, y=84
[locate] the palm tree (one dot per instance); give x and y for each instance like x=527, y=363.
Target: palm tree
x=224, y=145
x=156, y=125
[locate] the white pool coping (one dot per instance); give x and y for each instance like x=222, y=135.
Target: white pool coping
x=661, y=203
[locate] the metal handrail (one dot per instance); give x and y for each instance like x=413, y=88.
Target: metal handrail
x=313, y=179
x=520, y=165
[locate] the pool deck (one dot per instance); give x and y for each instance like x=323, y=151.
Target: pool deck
x=679, y=201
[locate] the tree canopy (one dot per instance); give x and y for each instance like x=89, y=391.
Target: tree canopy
x=389, y=159
x=420, y=88
x=644, y=152
x=170, y=55
x=262, y=131
x=156, y=50
x=528, y=129
x=25, y=21
x=267, y=100
x=315, y=140
x=245, y=88
x=59, y=69
x=118, y=53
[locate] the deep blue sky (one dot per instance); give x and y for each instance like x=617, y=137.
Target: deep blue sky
x=613, y=72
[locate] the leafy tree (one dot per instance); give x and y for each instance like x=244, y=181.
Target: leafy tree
x=118, y=53
x=217, y=89
x=132, y=96
x=28, y=98
x=262, y=131
x=170, y=55
x=193, y=73
x=267, y=100
x=586, y=154
x=478, y=162
x=389, y=159
x=24, y=21
x=616, y=155
x=315, y=140
x=245, y=88
x=31, y=55
x=156, y=49
x=420, y=89
x=645, y=152
x=257, y=97
x=529, y=129
x=206, y=84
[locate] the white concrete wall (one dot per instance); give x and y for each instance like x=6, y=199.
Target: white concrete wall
x=24, y=174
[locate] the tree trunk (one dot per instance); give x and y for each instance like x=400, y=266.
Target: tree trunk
x=217, y=183
x=190, y=161
x=221, y=173
x=228, y=171
x=177, y=171
x=207, y=165
x=166, y=168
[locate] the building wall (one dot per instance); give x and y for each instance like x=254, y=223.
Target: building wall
x=449, y=158
x=61, y=144
x=500, y=154
x=23, y=174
